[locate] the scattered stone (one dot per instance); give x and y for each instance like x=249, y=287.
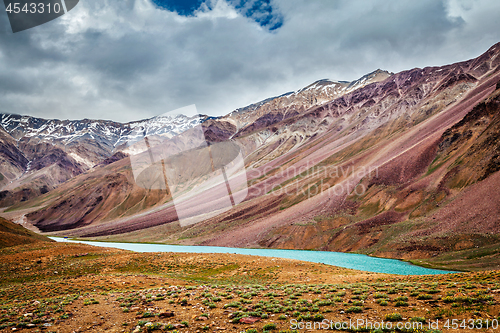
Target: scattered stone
x=179, y=325
x=166, y=314
x=249, y=320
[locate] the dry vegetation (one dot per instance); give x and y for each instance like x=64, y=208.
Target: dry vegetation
x=63, y=287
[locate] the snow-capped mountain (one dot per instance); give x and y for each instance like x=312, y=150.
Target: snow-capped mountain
x=43, y=153
x=39, y=154
x=87, y=141
x=315, y=94
x=112, y=134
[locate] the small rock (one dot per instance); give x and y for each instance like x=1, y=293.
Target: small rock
x=165, y=314
x=249, y=320
x=179, y=325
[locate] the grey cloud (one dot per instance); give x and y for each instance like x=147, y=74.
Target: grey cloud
x=127, y=60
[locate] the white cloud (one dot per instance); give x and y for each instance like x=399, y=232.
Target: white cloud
x=216, y=9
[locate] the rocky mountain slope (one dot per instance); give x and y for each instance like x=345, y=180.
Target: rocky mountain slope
x=276, y=109
x=396, y=165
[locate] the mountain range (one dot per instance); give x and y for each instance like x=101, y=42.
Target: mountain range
x=400, y=165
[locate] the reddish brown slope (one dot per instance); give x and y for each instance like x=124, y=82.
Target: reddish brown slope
x=107, y=193
x=401, y=161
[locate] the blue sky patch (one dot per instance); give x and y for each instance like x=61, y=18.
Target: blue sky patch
x=183, y=7
x=261, y=11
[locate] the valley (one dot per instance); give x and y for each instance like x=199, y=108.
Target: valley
x=392, y=165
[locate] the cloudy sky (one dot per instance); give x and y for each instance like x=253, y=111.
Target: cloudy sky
x=132, y=59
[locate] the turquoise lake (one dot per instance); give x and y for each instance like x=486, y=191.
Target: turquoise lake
x=348, y=260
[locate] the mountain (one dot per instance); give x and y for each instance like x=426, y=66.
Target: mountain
x=90, y=141
x=290, y=104
x=39, y=154
x=12, y=161
x=82, y=146
x=400, y=165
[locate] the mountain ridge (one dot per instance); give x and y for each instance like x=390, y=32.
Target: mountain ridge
x=80, y=145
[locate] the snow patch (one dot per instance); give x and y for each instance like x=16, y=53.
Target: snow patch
x=81, y=160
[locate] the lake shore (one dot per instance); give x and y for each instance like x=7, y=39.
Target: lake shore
x=340, y=259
